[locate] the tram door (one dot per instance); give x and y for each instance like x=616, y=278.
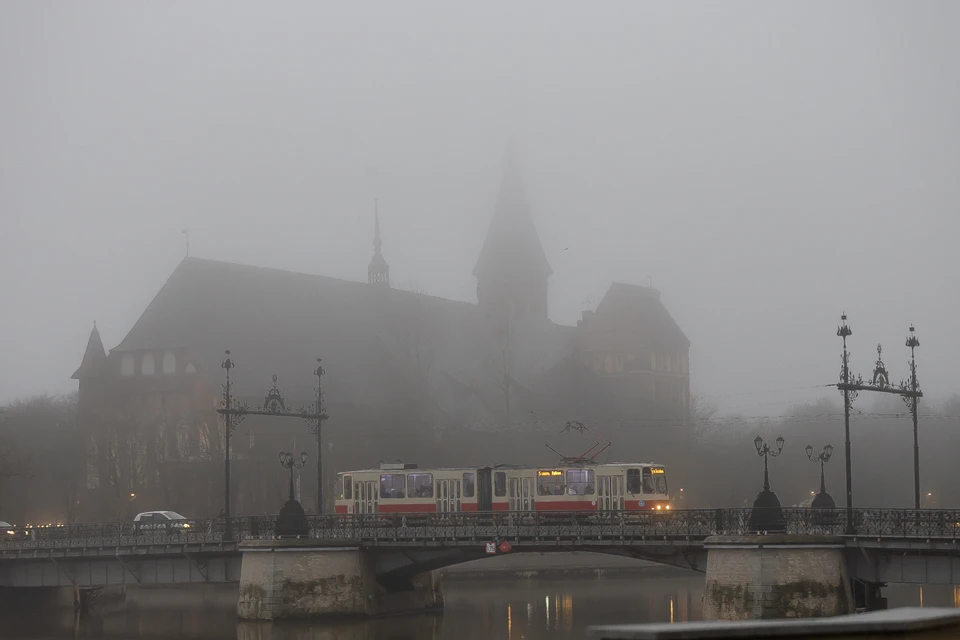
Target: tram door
x=365, y=496
x=611, y=493
x=521, y=494
x=448, y=495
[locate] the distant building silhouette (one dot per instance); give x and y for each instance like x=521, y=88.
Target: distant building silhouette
x=406, y=372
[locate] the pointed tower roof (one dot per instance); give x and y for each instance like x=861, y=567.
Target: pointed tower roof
x=512, y=245
x=378, y=271
x=94, y=358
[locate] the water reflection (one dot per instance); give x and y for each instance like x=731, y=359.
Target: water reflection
x=494, y=609
x=487, y=609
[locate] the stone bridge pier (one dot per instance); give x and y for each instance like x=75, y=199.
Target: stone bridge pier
x=302, y=578
x=753, y=577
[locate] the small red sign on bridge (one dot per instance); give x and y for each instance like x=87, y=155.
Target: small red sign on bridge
x=504, y=547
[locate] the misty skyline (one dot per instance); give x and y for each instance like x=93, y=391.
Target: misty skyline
x=765, y=165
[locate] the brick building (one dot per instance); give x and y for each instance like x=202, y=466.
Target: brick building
x=408, y=375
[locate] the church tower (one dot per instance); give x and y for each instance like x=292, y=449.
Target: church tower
x=512, y=271
x=378, y=271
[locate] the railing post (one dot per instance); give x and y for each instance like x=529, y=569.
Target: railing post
x=718, y=521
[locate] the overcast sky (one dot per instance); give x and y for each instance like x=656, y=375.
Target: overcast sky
x=765, y=164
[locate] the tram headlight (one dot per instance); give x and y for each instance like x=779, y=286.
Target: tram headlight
x=659, y=507
x=668, y=507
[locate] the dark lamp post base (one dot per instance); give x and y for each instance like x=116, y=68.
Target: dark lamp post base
x=767, y=515
x=292, y=521
x=823, y=500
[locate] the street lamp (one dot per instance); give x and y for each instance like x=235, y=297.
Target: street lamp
x=823, y=500
x=292, y=521
x=287, y=461
x=767, y=514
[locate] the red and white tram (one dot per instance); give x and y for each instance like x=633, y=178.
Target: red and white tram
x=405, y=488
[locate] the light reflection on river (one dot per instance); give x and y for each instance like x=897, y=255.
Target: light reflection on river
x=476, y=609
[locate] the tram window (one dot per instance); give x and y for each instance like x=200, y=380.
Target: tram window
x=468, y=485
x=420, y=485
x=633, y=481
x=550, y=483
x=347, y=493
x=392, y=485
x=648, y=486
x=500, y=484
x=661, y=481
x=580, y=482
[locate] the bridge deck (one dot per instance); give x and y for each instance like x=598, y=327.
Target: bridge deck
x=682, y=527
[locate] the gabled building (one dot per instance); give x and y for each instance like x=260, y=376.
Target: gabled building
x=408, y=375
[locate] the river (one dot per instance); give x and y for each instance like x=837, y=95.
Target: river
x=477, y=608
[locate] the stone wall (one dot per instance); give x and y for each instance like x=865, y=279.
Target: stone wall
x=296, y=579
x=761, y=577
x=290, y=580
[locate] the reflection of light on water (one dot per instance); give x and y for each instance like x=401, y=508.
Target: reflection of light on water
x=509, y=624
x=529, y=614
x=546, y=600
x=921, y=596
x=566, y=615
x=956, y=596
x=671, y=610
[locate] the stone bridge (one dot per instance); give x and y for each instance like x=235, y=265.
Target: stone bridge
x=363, y=561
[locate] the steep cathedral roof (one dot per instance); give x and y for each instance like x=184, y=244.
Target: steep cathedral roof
x=94, y=358
x=512, y=245
x=377, y=345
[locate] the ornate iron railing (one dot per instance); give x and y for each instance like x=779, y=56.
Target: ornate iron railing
x=606, y=528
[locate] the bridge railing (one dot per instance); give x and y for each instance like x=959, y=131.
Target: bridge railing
x=613, y=527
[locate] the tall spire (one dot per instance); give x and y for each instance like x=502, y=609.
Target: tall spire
x=94, y=358
x=378, y=271
x=512, y=269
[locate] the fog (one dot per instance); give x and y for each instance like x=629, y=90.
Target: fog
x=766, y=165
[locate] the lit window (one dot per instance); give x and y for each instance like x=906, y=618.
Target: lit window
x=169, y=362
x=580, y=482
x=550, y=482
x=421, y=485
x=393, y=485
x=147, y=365
x=127, y=364
x=633, y=480
x=499, y=484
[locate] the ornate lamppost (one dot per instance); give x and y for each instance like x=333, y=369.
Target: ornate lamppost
x=292, y=521
x=767, y=515
x=851, y=386
x=912, y=401
x=823, y=500
x=274, y=405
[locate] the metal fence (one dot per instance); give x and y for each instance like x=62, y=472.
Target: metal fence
x=612, y=527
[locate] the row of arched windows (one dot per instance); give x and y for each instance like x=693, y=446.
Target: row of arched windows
x=148, y=364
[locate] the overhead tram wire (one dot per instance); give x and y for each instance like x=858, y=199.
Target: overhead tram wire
x=633, y=424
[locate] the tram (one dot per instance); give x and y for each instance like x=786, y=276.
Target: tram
x=402, y=488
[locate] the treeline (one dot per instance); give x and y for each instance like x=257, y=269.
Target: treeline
x=42, y=460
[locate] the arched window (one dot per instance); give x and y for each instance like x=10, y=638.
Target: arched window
x=126, y=364
x=190, y=368
x=169, y=362
x=147, y=365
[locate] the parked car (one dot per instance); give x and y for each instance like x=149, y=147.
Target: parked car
x=7, y=528
x=160, y=520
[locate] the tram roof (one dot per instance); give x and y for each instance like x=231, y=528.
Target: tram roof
x=500, y=467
